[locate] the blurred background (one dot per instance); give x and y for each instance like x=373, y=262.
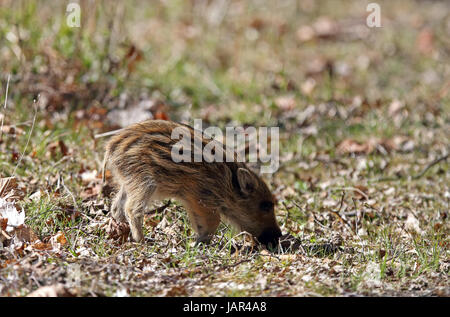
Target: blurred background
x=227, y=59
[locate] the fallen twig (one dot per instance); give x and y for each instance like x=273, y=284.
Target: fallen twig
x=436, y=161
x=414, y=177
x=101, y=135
x=353, y=189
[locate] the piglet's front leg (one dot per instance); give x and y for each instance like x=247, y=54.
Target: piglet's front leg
x=203, y=220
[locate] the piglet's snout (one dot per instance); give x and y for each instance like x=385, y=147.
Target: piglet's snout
x=270, y=235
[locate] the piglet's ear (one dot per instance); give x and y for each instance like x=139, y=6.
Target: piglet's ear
x=247, y=181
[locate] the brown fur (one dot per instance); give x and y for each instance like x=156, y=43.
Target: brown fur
x=140, y=160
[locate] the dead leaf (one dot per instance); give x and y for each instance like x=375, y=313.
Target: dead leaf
x=91, y=191
x=25, y=234
x=437, y=226
x=151, y=221
x=41, y=246
x=15, y=156
x=425, y=41
x=7, y=129
x=177, y=290
x=395, y=107
x=57, y=145
x=160, y=115
x=325, y=27
x=56, y=290
x=329, y=203
x=412, y=224
x=118, y=231
x=58, y=238
x=258, y=23
x=6, y=185
x=318, y=65
x=133, y=56
x=89, y=176
x=63, y=148
x=308, y=86
x=8, y=211
x=322, y=28
x=305, y=33
x=350, y=146
x=285, y=103
x=3, y=223
x=398, y=143
x=360, y=194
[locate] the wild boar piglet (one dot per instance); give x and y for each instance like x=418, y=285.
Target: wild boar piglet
x=141, y=162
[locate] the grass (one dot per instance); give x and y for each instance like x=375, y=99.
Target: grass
x=234, y=73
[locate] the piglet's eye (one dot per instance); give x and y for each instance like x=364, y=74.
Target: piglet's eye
x=266, y=205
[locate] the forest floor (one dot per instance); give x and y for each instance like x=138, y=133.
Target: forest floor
x=363, y=112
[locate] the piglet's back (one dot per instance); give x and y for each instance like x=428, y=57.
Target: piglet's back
x=143, y=152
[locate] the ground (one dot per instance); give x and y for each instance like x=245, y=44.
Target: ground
x=363, y=183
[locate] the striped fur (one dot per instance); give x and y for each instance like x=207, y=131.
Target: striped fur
x=139, y=157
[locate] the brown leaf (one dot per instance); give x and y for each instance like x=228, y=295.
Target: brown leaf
x=57, y=145
x=350, y=146
x=322, y=28
x=325, y=27
x=91, y=191
x=258, y=23
x=425, y=42
x=285, y=103
x=175, y=291
x=58, y=238
x=133, y=56
x=41, y=246
x=160, y=115
x=318, y=65
x=437, y=226
x=395, y=107
x=3, y=223
x=6, y=185
x=25, y=234
x=305, y=33
x=15, y=156
x=151, y=221
x=7, y=129
x=398, y=143
x=63, y=148
x=308, y=86
x=56, y=290
x=118, y=231
x=363, y=190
